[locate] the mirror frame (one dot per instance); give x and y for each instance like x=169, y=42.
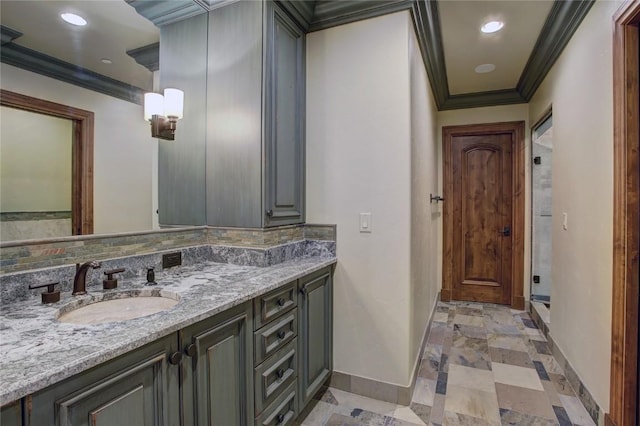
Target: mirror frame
x=81, y=152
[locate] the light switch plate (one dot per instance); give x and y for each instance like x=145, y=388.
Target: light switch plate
x=366, y=222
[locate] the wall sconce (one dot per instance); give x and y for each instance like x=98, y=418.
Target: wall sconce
x=163, y=112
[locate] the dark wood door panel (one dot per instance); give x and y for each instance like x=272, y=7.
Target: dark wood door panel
x=482, y=168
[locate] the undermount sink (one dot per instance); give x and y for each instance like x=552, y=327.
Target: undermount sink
x=122, y=307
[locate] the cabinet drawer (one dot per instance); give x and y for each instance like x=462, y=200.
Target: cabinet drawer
x=274, y=375
x=274, y=303
x=282, y=411
x=273, y=336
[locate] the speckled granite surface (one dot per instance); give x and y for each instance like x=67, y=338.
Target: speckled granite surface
x=37, y=351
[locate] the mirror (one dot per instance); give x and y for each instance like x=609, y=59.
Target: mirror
x=87, y=69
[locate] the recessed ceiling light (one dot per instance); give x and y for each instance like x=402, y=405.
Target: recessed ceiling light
x=73, y=19
x=106, y=61
x=485, y=68
x=492, y=27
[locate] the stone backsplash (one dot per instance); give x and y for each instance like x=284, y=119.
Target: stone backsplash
x=18, y=256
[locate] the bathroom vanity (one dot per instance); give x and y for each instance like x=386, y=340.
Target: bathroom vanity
x=243, y=345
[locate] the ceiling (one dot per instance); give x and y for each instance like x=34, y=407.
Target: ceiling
x=466, y=47
x=113, y=28
x=534, y=33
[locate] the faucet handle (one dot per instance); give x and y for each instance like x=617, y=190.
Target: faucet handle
x=110, y=283
x=51, y=295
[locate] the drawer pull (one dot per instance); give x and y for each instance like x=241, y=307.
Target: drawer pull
x=281, y=334
x=280, y=373
x=191, y=350
x=281, y=301
x=280, y=419
x=175, y=358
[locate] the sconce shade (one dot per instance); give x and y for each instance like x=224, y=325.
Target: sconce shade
x=153, y=105
x=173, y=103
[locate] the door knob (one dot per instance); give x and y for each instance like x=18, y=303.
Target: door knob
x=506, y=231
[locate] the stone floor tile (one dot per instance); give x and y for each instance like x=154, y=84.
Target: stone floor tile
x=469, y=332
x=472, y=378
x=469, y=310
x=441, y=384
x=562, y=416
x=576, y=411
x=508, y=356
x=472, y=402
x=351, y=400
x=541, y=347
x=506, y=341
x=514, y=418
x=424, y=391
x=457, y=419
x=472, y=320
x=561, y=384
x=552, y=394
x=316, y=413
x=516, y=376
x=525, y=401
x=542, y=372
x=441, y=316
x=550, y=364
x=437, y=411
x=470, y=357
x=410, y=414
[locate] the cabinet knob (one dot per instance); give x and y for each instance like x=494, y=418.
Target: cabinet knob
x=303, y=291
x=191, y=350
x=175, y=358
x=281, y=301
x=280, y=419
x=269, y=213
x=280, y=373
x=281, y=334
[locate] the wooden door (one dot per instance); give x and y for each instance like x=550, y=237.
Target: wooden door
x=482, y=202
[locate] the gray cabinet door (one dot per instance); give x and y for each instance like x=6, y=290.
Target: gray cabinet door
x=217, y=377
x=139, y=388
x=11, y=414
x=284, y=119
x=315, y=333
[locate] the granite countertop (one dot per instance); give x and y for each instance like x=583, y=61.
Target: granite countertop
x=36, y=350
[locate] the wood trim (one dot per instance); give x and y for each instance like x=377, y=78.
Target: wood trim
x=82, y=152
x=516, y=128
x=626, y=213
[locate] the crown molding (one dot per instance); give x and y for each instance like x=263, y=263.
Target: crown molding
x=148, y=56
x=301, y=11
x=338, y=12
x=564, y=19
x=31, y=60
x=7, y=35
x=163, y=12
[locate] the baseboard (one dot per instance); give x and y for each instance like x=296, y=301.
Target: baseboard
x=381, y=390
x=541, y=318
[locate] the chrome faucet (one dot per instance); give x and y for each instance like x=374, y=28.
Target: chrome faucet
x=80, y=280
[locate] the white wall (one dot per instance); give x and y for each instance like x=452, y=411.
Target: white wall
x=580, y=88
x=358, y=160
x=496, y=114
x=35, y=162
x=424, y=215
x=123, y=149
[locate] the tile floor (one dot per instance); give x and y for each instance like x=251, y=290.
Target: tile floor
x=483, y=365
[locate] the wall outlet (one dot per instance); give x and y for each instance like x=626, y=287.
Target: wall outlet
x=171, y=259
x=366, y=222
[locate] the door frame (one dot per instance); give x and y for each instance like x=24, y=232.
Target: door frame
x=81, y=153
x=626, y=209
x=516, y=130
